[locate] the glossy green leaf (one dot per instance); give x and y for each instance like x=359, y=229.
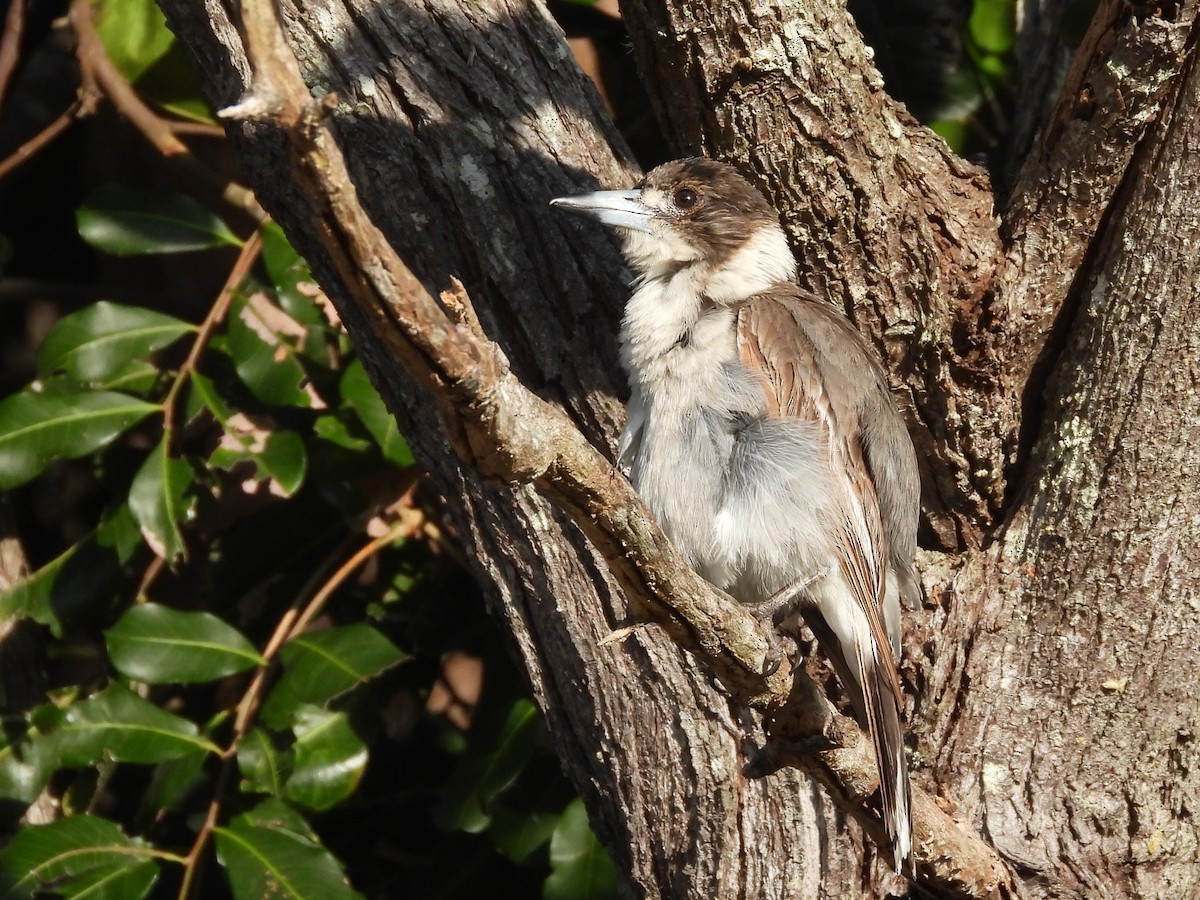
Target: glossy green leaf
x=134, y=34
x=119, y=725
x=81, y=581
x=518, y=834
x=580, y=868
x=79, y=856
x=262, y=339
x=329, y=759
x=275, y=814
x=277, y=456
x=26, y=763
x=173, y=84
x=290, y=276
x=265, y=767
x=491, y=764
x=263, y=862
x=129, y=222
x=101, y=883
x=99, y=341
x=37, y=428
x=360, y=394
x=321, y=665
x=159, y=501
x=331, y=428
x=160, y=645
x=135, y=377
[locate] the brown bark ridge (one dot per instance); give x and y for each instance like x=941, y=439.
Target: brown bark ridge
x=458, y=121
x=1076, y=747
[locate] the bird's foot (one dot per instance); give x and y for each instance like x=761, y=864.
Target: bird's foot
x=768, y=613
x=787, y=598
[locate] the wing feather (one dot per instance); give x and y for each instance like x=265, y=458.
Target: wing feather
x=787, y=340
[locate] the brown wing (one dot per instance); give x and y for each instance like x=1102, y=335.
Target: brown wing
x=812, y=365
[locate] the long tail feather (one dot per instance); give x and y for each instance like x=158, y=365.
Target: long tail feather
x=870, y=680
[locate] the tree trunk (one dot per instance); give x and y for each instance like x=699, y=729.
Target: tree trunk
x=1040, y=710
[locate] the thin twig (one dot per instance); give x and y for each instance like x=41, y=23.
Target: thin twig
x=94, y=59
x=216, y=315
x=198, y=129
x=10, y=44
x=42, y=138
x=86, y=100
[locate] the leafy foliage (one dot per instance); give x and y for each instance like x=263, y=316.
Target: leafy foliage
x=251, y=649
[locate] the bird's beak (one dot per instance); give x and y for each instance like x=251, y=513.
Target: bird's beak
x=621, y=208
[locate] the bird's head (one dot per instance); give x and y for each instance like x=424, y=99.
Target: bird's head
x=695, y=212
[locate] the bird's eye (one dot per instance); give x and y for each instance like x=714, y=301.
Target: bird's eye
x=685, y=198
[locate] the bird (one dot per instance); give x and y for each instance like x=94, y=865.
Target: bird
x=763, y=437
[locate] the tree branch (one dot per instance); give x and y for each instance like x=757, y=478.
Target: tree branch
x=10, y=44
x=512, y=436
x=1122, y=73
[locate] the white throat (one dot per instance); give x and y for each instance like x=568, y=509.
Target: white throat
x=677, y=291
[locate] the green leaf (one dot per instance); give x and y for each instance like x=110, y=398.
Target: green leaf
x=265, y=862
x=102, y=883
x=321, y=665
x=25, y=763
x=274, y=813
x=329, y=759
x=953, y=131
x=159, y=501
x=80, y=856
x=118, y=531
x=518, y=833
x=262, y=340
x=288, y=272
x=360, y=394
x=99, y=341
x=491, y=764
x=172, y=83
x=159, y=645
x=173, y=781
x=264, y=766
x=134, y=34
x=135, y=377
x=129, y=222
x=118, y=725
x=81, y=580
x=993, y=25
x=580, y=868
x=277, y=456
x=36, y=428
x=332, y=429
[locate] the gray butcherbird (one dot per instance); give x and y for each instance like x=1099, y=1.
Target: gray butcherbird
x=763, y=438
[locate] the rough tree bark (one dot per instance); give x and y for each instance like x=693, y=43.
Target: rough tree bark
x=1045, y=345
